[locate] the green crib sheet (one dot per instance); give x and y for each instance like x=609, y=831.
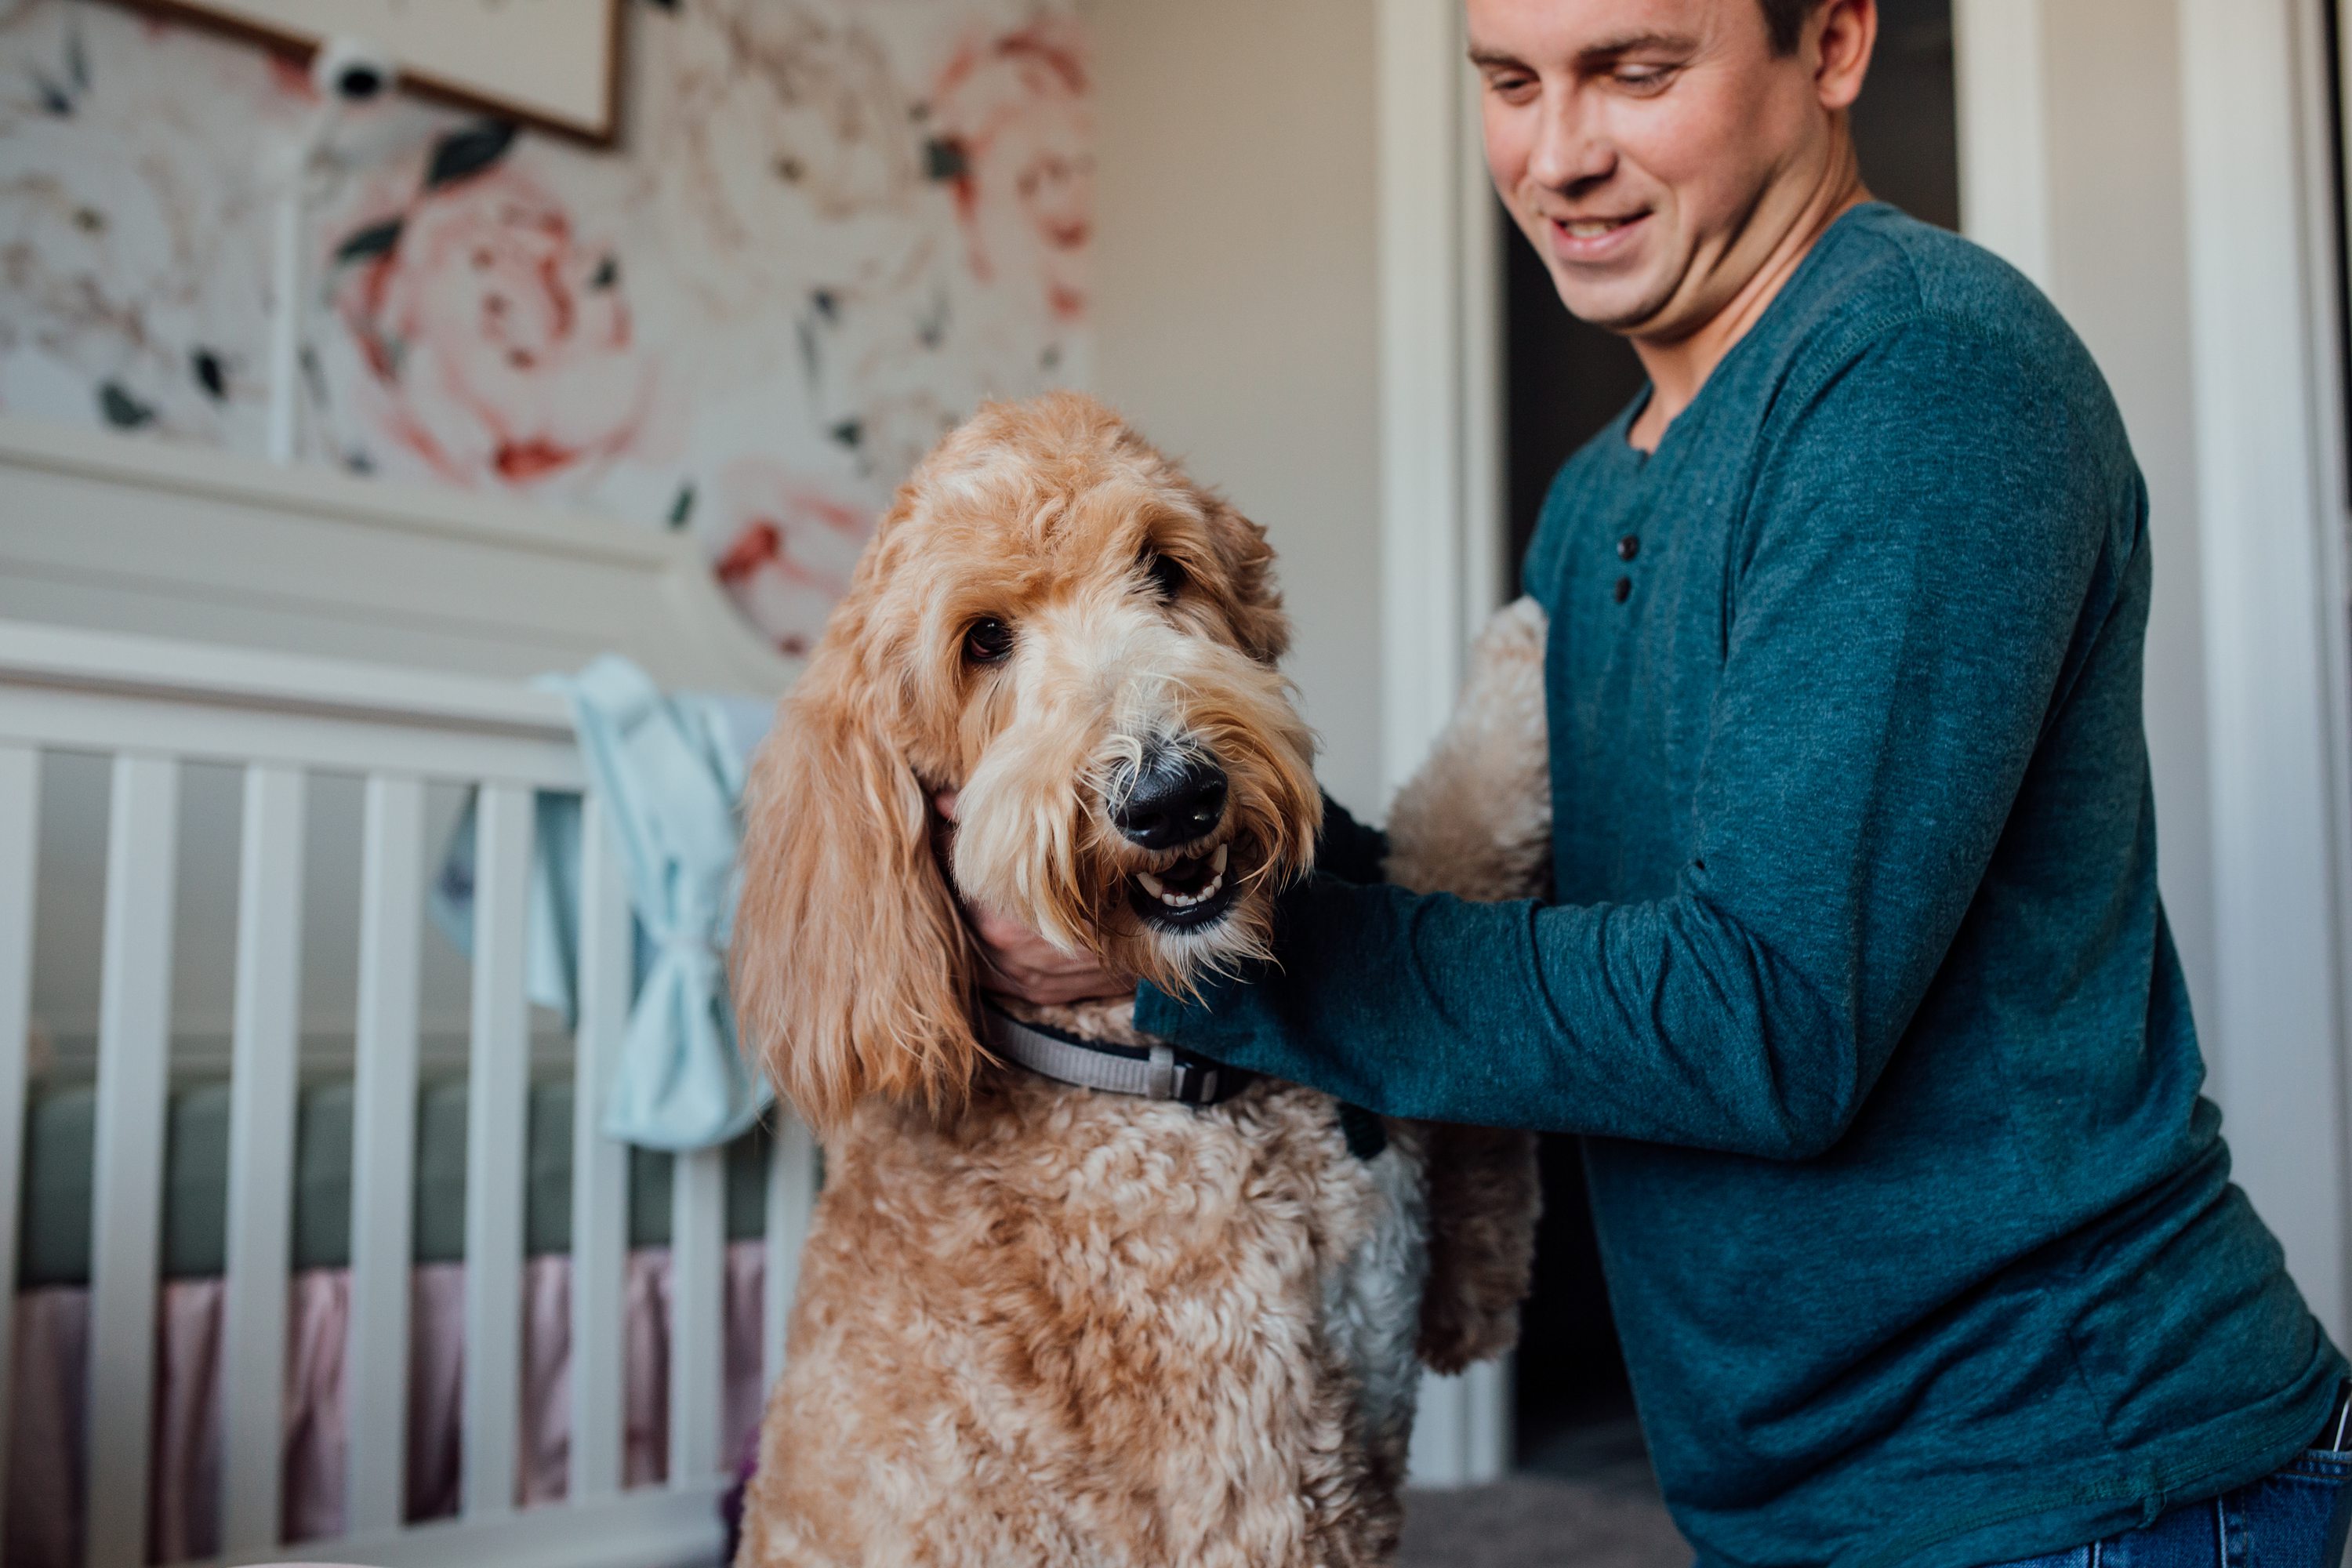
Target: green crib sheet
x=54, y=1232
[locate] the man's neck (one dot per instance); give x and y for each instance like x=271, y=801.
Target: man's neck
x=1679, y=367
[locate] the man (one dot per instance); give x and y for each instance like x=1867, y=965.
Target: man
x=1855, y=978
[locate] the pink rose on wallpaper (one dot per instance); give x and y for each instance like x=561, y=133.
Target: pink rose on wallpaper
x=789, y=550
x=1016, y=142
x=498, y=339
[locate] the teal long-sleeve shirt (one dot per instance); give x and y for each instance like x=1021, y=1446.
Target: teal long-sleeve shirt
x=1919, y=1232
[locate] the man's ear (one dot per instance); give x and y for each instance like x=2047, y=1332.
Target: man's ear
x=1842, y=35
x=851, y=969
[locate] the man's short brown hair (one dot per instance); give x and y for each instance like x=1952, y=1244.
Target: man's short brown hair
x=1786, y=21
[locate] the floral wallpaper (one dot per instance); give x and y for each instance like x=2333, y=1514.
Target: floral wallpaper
x=829, y=229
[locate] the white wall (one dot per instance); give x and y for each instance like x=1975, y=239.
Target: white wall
x=2119, y=270
x=1235, y=313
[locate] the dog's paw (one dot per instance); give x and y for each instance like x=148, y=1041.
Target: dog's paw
x=1477, y=819
x=1486, y=1198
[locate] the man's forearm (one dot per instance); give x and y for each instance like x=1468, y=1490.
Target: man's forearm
x=1657, y=1021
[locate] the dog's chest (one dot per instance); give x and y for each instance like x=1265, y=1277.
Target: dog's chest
x=1242, y=1236
x=1371, y=1294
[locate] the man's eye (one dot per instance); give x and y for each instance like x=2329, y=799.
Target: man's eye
x=987, y=641
x=1167, y=576
x=1644, y=79
x=1511, y=89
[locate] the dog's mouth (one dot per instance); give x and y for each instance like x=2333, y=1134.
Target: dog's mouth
x=1191, y=892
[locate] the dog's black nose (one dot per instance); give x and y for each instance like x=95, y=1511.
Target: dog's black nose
x=1177, y=797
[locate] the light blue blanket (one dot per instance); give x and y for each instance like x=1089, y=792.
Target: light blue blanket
x=669, y=769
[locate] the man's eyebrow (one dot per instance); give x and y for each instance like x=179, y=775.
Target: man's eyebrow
x=1635, y=43
x=1487, y=57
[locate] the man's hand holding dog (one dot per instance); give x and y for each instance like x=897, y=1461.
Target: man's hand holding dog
x=1018, y=962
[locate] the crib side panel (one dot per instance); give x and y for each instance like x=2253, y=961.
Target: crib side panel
x=496, y=1111
x=133, y=1059
x=20, y=811
x=696, y=1337
x=383, y=1151
x=791, y=1202
x=600, y=1166
x=261, y=1155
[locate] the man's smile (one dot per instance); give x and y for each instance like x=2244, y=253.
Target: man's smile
x=1589, y=238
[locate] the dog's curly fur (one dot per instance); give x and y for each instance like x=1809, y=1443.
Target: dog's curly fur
x=1036, y=1324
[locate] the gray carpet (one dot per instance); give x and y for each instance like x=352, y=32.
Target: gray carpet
x=1583, y=1496
x=1540, y=1522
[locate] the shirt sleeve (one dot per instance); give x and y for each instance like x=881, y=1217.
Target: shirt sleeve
x=1902, y=598
x=1348, y=850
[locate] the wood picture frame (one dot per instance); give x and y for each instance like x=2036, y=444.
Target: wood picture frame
x=453, y=51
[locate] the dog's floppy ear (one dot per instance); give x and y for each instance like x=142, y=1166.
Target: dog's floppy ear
x=1255, y=604
x=851, y=968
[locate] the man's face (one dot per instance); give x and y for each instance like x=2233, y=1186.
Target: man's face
x=1653, y=150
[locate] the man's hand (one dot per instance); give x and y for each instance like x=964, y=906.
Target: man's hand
x=1016, y=961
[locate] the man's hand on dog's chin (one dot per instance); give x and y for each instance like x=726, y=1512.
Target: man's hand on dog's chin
x=1016, y=961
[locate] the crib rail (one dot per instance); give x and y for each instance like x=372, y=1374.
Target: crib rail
x=152, y=706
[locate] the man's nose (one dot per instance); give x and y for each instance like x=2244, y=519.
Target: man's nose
x=1176, y=796
x=1569, y=152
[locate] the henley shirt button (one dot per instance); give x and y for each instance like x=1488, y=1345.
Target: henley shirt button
x=1624, y=589
x=1628, y=547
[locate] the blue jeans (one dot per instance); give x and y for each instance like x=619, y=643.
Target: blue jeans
x=2293, y=1519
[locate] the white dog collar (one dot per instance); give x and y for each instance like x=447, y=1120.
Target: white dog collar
x=1154, y=1072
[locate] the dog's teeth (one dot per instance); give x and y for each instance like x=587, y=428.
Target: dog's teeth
x=1217, y=861
x=1207, y=890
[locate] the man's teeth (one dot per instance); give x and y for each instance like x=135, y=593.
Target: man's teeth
x=1593, y=228
x=1209, y=890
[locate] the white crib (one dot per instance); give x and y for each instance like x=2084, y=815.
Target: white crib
x=320, y=627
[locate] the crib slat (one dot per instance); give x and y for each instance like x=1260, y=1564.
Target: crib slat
x=384, y=1153
x=697, y=1313
x=261, y=1155
x=600, y=1166
x=792, y=1198
x=20, y=814
x=126, y=1197
x=498, y=1107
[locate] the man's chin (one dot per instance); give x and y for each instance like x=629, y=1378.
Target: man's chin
x=1624, y=306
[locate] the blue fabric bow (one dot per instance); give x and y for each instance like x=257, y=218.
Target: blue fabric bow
x=669, y=770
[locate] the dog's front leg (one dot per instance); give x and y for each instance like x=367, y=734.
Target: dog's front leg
x=1476, y=821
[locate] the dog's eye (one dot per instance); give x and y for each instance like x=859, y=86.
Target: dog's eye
x=1166, y=575
x=987, y=641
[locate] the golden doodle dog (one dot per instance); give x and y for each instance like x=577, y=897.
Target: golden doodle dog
x=1047, y=1324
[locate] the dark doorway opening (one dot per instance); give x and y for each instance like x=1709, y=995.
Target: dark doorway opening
x=1565, y=380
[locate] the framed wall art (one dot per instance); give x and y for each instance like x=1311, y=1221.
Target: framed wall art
x=553, y=63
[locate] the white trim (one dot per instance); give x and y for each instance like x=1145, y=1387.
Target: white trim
x=125, y=665
x=62, y=688
x=1487, y=578
x=652, y=1527
x=1442, y=512
x=1418, y=75
x=2274, y=1031
x=1443, y=524
x=1999, y=48
x=2328, y=244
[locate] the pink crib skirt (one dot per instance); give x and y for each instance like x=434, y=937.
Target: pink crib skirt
x=47, y=1488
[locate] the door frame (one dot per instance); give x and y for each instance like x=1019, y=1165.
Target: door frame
x=1443, y=524
x=2270, y=456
